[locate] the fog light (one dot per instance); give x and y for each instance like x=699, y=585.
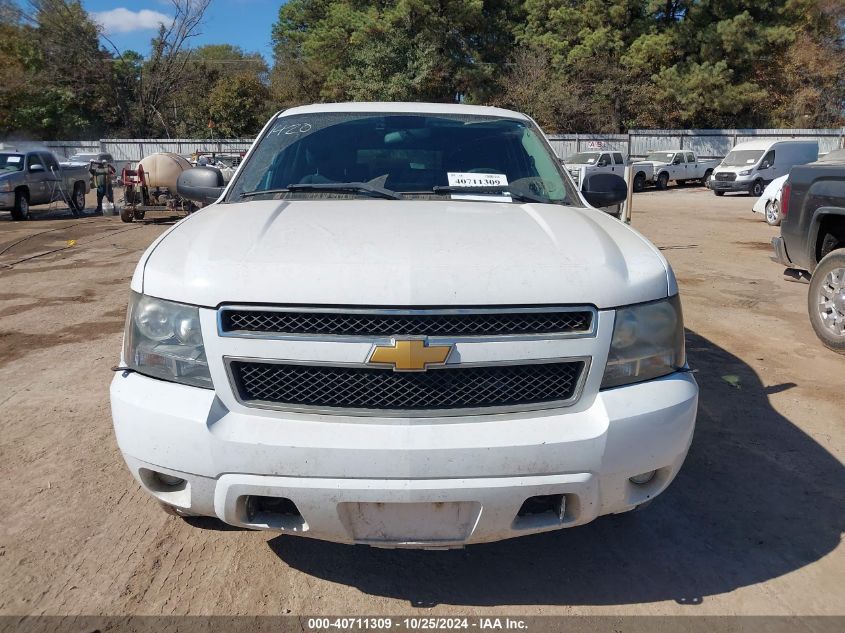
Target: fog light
x=169, y=480
x=642, y=478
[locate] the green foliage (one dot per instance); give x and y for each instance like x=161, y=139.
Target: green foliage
x=574, y=65
x=406, y=50
x=236, y=105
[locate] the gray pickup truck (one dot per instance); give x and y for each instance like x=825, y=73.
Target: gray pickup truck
x=811, y=243
x=36, y=177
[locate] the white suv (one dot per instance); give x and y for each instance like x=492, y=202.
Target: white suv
x=402, y=325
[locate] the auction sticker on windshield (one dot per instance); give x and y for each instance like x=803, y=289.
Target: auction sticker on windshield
x=469, y=179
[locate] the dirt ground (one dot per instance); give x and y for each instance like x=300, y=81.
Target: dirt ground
x=752, y=525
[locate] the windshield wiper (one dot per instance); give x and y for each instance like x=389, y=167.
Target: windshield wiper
x=352, y=187
x=259, y=192
x=355, y=187
x=501, y=190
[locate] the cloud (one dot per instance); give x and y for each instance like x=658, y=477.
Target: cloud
x=123, y=20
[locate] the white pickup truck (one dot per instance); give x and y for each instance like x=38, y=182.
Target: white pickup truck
x=583, y=164
x=664, y=166
x=402, y=325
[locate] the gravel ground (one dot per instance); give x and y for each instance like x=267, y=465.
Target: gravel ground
x=752, y=525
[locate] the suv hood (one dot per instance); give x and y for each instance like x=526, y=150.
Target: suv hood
x=402, y=253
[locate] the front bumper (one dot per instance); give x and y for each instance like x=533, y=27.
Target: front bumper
x=441, y=482
x=729, y=185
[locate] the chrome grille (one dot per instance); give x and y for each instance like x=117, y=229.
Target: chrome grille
x=359, y=389
x=395, y=323
x=725, y=175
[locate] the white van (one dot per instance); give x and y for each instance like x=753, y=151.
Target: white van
x=752, y=165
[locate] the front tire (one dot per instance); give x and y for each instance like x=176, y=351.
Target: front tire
x=756, y=188
x=826, y=300
x=663, y=181
x=772, y=213
x=21, y=208
x=706, y=180
x=77, y=199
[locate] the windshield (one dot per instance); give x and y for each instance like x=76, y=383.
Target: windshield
x=741, y=158
x=661, y=157
x=11, y=162
x=412, y=155
x=584, y=158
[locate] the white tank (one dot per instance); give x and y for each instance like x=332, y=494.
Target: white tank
x=162, y=169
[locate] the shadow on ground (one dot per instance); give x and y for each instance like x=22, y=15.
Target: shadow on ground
x=756, y=499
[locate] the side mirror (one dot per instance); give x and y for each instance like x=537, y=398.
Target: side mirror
x=602, y=163
x=677, y=161
x=36, y=168
x=200, y=184
x=605, y=190
x=765, y=165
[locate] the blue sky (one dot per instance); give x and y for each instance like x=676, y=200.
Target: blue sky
x=244, y=23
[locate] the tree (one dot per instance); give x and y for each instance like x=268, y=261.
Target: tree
x=212, y=67
x=409, y=50
x=58, y=77
x=237, y=105
x=168, y=68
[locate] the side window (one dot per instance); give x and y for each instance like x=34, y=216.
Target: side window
x=679, y=159
x=617, y=158
x=51, y=163
x=605, y=159
x=690, y=157
x=33, y=159
x=768, y=158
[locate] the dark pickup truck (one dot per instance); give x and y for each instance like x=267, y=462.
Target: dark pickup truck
x=812, y=242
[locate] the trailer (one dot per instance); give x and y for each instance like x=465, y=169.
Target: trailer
x=151, y=187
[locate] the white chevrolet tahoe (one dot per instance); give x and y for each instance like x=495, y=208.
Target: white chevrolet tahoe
x=402, y=325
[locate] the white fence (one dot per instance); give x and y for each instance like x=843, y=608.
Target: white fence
x=705, y=143
x=636, y=143
x=135, y=149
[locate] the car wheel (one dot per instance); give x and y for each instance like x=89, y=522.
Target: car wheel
x=79, y=197
x=719, y=193
x=21, y=209
x=706, y=180
x=663, y=181
x=126, y=214
x=756, y=189
x=76, y=203
x=639, y=182
x=772, y=213
x=826, y=300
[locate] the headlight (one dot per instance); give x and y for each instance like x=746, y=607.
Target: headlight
x=648, y=342
x=745, y=172
x=163, y=340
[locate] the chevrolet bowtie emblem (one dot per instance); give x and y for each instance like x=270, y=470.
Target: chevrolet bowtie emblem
x=410, y=355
